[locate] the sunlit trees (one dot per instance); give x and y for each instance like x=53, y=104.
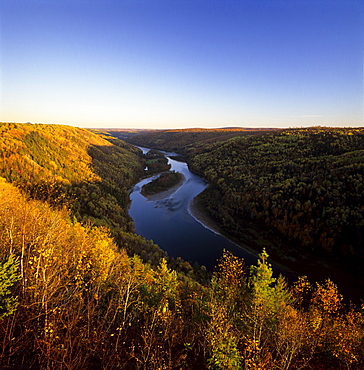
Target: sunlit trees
x=224, y=308
x=63, y=267
x=256, y=321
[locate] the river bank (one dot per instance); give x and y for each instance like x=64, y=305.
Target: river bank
x=200, y=214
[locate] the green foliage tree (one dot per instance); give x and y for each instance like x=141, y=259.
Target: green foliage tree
x=9, y=275
x=226, y=296
x=267, y=299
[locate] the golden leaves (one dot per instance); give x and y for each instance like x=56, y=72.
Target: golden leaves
x=326, y=297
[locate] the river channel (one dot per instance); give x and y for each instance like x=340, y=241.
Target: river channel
x=169, y=223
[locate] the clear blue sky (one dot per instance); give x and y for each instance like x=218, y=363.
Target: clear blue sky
x=181, y=63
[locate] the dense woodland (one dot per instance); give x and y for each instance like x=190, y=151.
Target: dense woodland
x=80, y=290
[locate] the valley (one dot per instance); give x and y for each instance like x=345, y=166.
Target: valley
x=81, y=289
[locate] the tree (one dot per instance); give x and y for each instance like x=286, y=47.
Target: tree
x=268, y=298
x=8, y=277
x=226, y=294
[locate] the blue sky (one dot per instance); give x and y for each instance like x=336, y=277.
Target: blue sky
x=182, y=63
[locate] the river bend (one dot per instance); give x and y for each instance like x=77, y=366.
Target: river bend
x=169, y=223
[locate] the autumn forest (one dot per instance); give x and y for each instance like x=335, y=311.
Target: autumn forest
x=79, y=289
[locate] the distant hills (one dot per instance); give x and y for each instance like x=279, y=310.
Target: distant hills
x=182, y=140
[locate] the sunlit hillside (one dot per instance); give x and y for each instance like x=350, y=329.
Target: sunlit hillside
x=73, y=166
x=36, y=153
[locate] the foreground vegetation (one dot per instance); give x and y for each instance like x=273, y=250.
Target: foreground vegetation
x=75, y=295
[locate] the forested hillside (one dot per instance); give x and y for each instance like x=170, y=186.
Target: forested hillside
x=307, y=184
x=73, y=294
x=53, y=162
x=89, y=173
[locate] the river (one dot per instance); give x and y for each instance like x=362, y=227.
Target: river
x=169, y=223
